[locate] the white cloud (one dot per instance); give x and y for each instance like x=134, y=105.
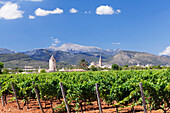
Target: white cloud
x=10, y=11
x=166, y=51
x=118, y=11
x=35, y=0
x=116, y=43
x=55, y=41
x=31, y=17
x=104, y=10
x=87, y=12
x=57, y=11
x=73, y=10
x=42, y=12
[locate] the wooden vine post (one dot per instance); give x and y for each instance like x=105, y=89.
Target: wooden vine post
x=15, y=94
x=143, y=97
x=98, y=98
x=64, y=97
x=3, y=104
x=38, y=98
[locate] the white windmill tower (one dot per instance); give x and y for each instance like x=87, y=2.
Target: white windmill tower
x=52, y=64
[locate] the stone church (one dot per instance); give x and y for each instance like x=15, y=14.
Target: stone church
x=97, y=65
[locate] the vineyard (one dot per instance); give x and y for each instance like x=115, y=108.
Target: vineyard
x=117, y=89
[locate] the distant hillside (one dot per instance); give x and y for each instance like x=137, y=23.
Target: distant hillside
x=133, y=58
x=20, y=60
x=62, y=56
x=166, y=56
x=6, y=51
x=70, y=54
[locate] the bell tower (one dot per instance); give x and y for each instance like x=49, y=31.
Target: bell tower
x=100, y=61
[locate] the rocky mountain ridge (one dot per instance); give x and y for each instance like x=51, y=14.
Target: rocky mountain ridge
x=73, y=53
x=6, y=51
x=134, y=58
x=75, y=48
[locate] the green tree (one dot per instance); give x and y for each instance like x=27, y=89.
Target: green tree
x=159, y=67
x=20, y=70
x=115, y=67
x=16, y=70
x=168, y=68
x=83, y=64
x=120, y=68
x=1, y=66
x=43, y=71
x=126, y=66
x=150, y=67
x=5, y=71
x=93, y=68
x=36, y=70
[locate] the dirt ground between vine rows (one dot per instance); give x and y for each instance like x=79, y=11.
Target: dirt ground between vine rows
x=11, y=107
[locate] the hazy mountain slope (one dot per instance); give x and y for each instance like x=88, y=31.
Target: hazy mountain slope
x=71, y=53
x=133, y=58
x=20, y=60
x=6, y=51
x=166, y=56
x=61, y=56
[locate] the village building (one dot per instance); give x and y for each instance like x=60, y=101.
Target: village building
x=72, y=70
x=100, y=64
x=92, y=64
x=96, y=65
x=147, y=65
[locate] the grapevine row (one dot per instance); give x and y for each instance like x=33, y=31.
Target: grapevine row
x=117, y=88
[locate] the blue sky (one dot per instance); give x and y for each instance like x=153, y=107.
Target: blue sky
x=139, y=25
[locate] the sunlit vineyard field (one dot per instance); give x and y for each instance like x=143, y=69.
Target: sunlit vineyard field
x=117, y=88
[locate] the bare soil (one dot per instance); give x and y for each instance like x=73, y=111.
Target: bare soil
x=11, y=107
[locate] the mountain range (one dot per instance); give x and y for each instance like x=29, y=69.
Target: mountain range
x=71, y=54
x=6, y=51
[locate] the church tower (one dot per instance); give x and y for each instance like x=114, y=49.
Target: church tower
x=52, y=64
x=100, y=61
